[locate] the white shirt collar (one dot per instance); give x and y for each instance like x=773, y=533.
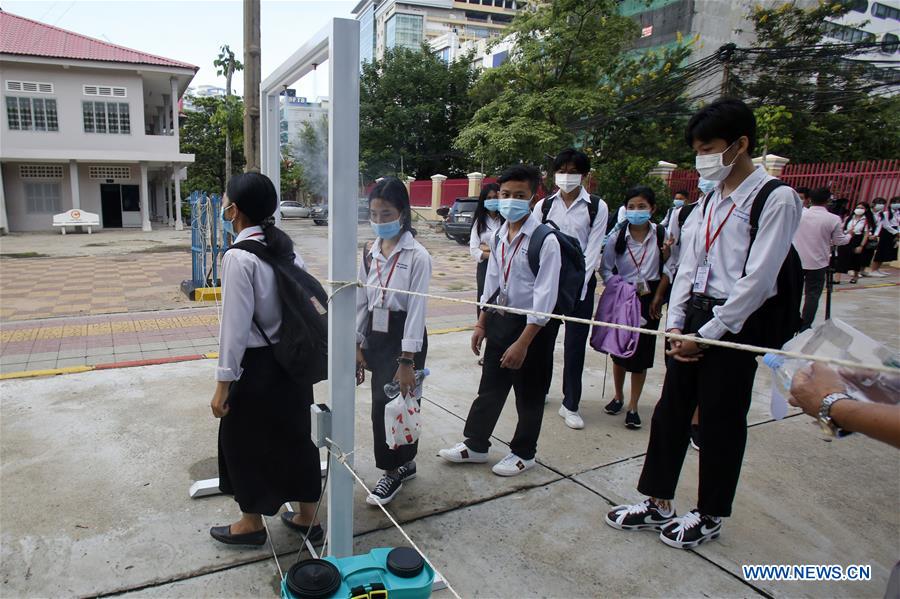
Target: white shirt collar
x=744, y=192
x=406, y=242
x=254, y=231
x=583, y=196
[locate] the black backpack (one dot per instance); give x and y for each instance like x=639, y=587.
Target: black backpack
x=302, y=348
x=660, y=244
x=778, y=319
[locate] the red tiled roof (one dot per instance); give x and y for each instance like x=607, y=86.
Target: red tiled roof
x=31, y=38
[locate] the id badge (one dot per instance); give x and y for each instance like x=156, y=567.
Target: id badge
x=502, y=299
x=380, y=319
x=700, y=279
x=643, y=288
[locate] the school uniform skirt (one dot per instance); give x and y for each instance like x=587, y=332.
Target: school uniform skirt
x=642, y=360
x=381, y=353
x=266, y=456
x=847, y=258
x=886, y=250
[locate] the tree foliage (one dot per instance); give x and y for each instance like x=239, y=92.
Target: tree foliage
x=412, y=106
x=203, y=135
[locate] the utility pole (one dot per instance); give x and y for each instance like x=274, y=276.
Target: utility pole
x=726, y=55
x=251, y=85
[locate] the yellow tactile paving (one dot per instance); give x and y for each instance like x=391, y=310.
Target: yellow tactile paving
x=107, y=328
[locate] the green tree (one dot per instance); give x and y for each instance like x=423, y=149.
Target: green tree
x=412, y=106
x=773, y=128
x=204, y=136
x=226, y=64
x=292, y=181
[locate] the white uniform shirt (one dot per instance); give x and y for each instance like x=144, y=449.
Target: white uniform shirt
x=646, y=255
x=680, y=234
x=744, y=294
x=491, y=225
x=888, y=221
x=857, y=225
x=412, y=273
x=575, y=220
x=249, y=289
x=523, y=289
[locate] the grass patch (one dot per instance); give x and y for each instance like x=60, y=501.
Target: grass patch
x=164, y=249
x=24, y=255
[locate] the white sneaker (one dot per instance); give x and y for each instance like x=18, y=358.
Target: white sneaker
x=865, y=274
x=460, y=453
x=546, y=399
x=573, y=419
x=512, y=465
x=877, y=274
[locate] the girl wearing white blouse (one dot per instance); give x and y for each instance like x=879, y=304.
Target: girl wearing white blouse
x=637, y=254
x=266, y=456
x=861, y=226
x=486, y=223
x=391, y=339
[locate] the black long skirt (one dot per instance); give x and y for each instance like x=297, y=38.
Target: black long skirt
x=847, y=258
x=643, y=357
x=266, y=456
x=886, y=251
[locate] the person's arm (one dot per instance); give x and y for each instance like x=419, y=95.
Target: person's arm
x=595, y=243
x=876, y=420
x=237, y=313
x=419, y=279
x=777, y=225
x=362, y=305
x=608, y=260
x=838, y=235
x=684, y=278
x=492, y=277
x=475, y=244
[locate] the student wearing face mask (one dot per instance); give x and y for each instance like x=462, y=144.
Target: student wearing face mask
x=391, y=340
x=860, y=225
x=679, y=199
x=487, y=221
x=583, y=216
x=519, y=349
x=886, y=229
x=636, y=254
x=725, y=279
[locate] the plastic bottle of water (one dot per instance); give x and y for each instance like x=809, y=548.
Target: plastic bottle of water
x=392, y=389
x=783, y=370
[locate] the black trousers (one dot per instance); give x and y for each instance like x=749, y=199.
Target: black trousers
x=381, y=356
x=574, y=347
x=480, y=275
x=266, y=456
x=722, y=384
x=528, y=383
x=813, y=283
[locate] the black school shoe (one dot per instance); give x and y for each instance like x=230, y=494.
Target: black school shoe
x=690, y=530
x=614, y=407
x=223, y=535
x=645, y=515
x=632, y=420
x=316, y=534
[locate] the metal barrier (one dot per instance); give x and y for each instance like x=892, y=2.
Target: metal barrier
x=208, y=243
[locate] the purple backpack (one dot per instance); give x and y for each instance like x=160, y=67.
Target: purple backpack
x=619, y=304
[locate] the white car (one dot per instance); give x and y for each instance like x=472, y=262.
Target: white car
x=294, y=210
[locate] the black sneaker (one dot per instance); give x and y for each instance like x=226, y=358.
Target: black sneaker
x=407, y=471
x=614, y=407
x=695, y=436
x=386, y=489
x=632, y=420
x=645, y=515
x=690, y=530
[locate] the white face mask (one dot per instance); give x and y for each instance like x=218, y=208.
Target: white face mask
x=711, y=167
x=567, y=182
x=859, y=211
x=877, y=207
x=895, y=206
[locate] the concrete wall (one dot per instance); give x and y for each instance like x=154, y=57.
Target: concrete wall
x=69, y=94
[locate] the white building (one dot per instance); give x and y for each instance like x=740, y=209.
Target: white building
x=868, y=21
x=295, y=111
x=87, y=124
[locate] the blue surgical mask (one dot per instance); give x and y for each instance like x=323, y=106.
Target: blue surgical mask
x=678, y=203
x=706, y=186
x=387, y=230
x=227, y=225
x=514, y=210
x=637, y=217
x=492, y=204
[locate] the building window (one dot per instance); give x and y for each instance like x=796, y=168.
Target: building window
x=857, y=5
x=848, y=34
x=106, y=117
x=31, y=114
x=105, y=90
x=40, y=171
x=889, y=43
x=103, y=173
x=405, y=31
x=42, y=198
x=884, y=11
x=29, y=87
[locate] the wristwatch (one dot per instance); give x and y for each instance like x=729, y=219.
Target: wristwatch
x=828, y=425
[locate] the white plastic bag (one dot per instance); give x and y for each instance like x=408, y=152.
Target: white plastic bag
x=402, y=420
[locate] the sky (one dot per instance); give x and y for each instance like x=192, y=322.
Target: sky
x=193, y=31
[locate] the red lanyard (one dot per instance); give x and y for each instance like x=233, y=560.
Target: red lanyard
x=256, y=235
x=390, y=275
x=503, y=259
x=637, y=264
x=710, y=242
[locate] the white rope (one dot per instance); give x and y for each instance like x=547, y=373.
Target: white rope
x=341, y=458
x=612, y=325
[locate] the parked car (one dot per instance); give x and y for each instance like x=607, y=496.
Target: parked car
x=458, y=224
x=293, y=210
x=319, y=213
